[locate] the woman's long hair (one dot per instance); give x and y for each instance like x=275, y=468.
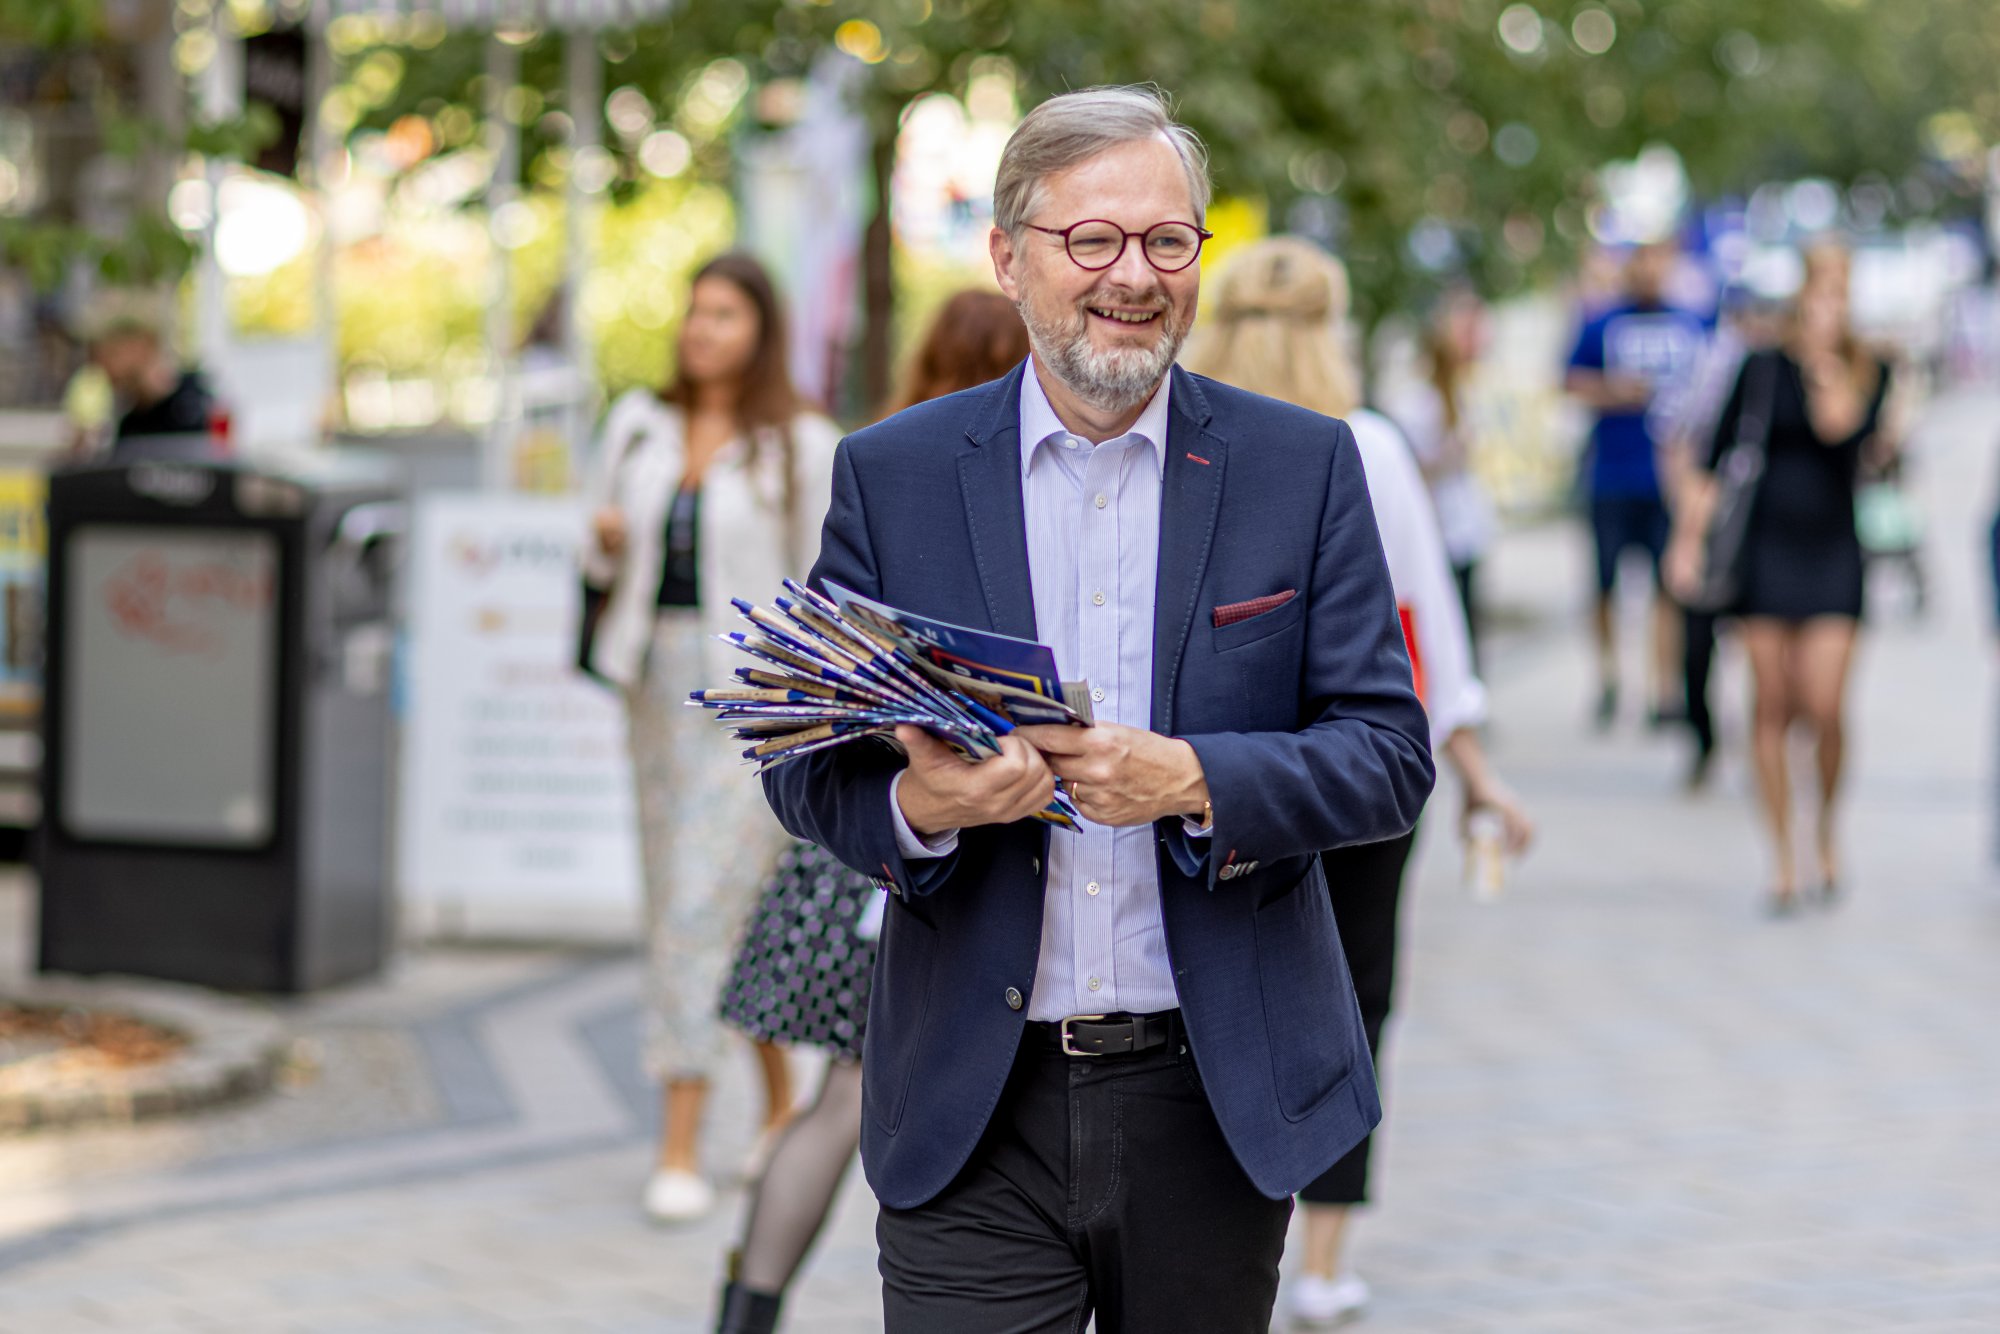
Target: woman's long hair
x=1445, y=359
x=767, y=402
x=1273, y=327
x=1831, y=261
x=976, y=336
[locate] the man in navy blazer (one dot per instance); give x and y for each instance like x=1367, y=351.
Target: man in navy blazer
x=1099, y=1062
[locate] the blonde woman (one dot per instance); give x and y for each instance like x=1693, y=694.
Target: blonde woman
x=1275, y=327
x=710, y=489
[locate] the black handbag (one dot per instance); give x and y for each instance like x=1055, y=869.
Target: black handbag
x=591, y=605
x=1737, y=475
x=592, y=600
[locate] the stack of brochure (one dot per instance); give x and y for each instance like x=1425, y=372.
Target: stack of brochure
x=833, y=670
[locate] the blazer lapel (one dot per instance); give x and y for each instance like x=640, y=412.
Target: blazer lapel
x=989, y=478
x=1190, y=501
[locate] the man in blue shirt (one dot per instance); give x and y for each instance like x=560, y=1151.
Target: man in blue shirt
x=1623, y=358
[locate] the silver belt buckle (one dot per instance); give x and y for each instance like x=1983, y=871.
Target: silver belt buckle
x=1068, y=1037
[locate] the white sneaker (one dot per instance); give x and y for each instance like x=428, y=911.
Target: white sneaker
x=1327, y=1301
x=678, y=1197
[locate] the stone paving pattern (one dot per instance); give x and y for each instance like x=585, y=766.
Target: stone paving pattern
x=1620, y=1099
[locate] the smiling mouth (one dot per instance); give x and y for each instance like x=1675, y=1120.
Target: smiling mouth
x=1124, y=316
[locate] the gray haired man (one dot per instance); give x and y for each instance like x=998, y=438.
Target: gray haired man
x=1100, y=1061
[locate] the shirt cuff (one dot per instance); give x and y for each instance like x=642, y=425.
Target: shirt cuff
x=908, y=842
x=1193, y=830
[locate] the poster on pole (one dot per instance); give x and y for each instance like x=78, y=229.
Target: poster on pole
x=516, y=811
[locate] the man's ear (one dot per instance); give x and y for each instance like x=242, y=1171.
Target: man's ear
x=1001, y=247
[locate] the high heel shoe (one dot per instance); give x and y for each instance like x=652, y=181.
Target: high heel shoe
x=1781, y=903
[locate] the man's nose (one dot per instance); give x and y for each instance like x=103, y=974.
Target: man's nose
x=1131, y=270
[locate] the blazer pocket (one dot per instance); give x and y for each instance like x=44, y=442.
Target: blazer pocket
x=1309, y=1007
x=904, y=956
x=1240, y=623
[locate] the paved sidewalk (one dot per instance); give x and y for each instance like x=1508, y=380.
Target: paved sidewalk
x=1620, y=1100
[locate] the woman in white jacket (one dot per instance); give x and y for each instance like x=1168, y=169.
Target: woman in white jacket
x=710, y=489
x=1274, y=327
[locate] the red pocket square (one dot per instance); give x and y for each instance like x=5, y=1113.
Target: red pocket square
x=1229, y=613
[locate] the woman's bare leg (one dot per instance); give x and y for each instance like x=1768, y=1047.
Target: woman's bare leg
x=1823, y=664
x=680, y=1121
x=1326, y=1237
x=777, y=1074
x=1770, y=647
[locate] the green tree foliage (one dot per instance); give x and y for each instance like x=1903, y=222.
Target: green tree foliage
x=1480, y=125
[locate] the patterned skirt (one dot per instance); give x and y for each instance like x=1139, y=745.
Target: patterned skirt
x=801, y=976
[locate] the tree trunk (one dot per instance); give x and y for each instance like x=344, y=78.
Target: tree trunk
x=878, y=285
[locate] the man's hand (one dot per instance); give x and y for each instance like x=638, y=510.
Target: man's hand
x=941, y=790
x=1121, y=776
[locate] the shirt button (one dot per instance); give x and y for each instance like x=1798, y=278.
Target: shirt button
x=1101, y=502
x=1097, y=599
x=1091, y=889
x=1095, y=984
x=1013, y=998
x=1098, y=694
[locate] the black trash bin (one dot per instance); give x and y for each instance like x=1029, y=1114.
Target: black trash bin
x=216, y=724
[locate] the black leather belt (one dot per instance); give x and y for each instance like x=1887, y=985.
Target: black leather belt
x=1109, y=1034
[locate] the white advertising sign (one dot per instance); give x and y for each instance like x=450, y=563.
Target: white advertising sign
x=170, y=718
x=516, y=810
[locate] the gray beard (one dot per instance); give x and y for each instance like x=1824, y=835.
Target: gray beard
x=1113, y=381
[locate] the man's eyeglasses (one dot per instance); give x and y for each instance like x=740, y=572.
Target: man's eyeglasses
x=1095, y=244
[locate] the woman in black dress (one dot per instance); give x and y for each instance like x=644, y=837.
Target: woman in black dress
x=1801, y=579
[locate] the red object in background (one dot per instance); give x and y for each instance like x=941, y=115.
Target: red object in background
x=1408, y=616
x=218, y=431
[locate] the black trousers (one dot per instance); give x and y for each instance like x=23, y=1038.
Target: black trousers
x=1102, y=1184
x=1367, y=887
x=1466, y=576
x=1697, y=661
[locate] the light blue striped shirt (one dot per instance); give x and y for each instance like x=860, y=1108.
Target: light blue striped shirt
x=1093, y=515
x=1093, y=528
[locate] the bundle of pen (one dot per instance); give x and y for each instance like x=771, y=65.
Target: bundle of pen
x=829, y=671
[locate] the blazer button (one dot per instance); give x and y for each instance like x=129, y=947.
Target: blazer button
x=1014, y=1001
x=1034, y=866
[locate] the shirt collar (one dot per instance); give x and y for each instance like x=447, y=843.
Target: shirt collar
x=1039, y=422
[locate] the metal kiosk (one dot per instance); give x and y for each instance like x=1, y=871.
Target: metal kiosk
x=215, y=780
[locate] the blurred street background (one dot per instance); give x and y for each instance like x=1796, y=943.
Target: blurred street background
x=410, y=249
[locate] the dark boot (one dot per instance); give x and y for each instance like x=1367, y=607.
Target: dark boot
x=747, y=1311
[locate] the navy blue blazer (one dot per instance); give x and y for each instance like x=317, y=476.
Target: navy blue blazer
x=1303, y=717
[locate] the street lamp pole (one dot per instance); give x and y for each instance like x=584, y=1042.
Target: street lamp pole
x=503, y=138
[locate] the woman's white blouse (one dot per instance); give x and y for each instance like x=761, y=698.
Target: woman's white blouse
x=744, y=548
x=1425, y=593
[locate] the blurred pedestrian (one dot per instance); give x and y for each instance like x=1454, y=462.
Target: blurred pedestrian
x=706, y=489
x=1817, y=400
x=802, y=976
x=155, y=395
x=1683, y=418
x=1274, y=327
x=1622, y=358
x=1434, y=416
x=1100, y=1061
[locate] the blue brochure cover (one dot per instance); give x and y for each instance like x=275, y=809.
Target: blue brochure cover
x=1014, y=677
